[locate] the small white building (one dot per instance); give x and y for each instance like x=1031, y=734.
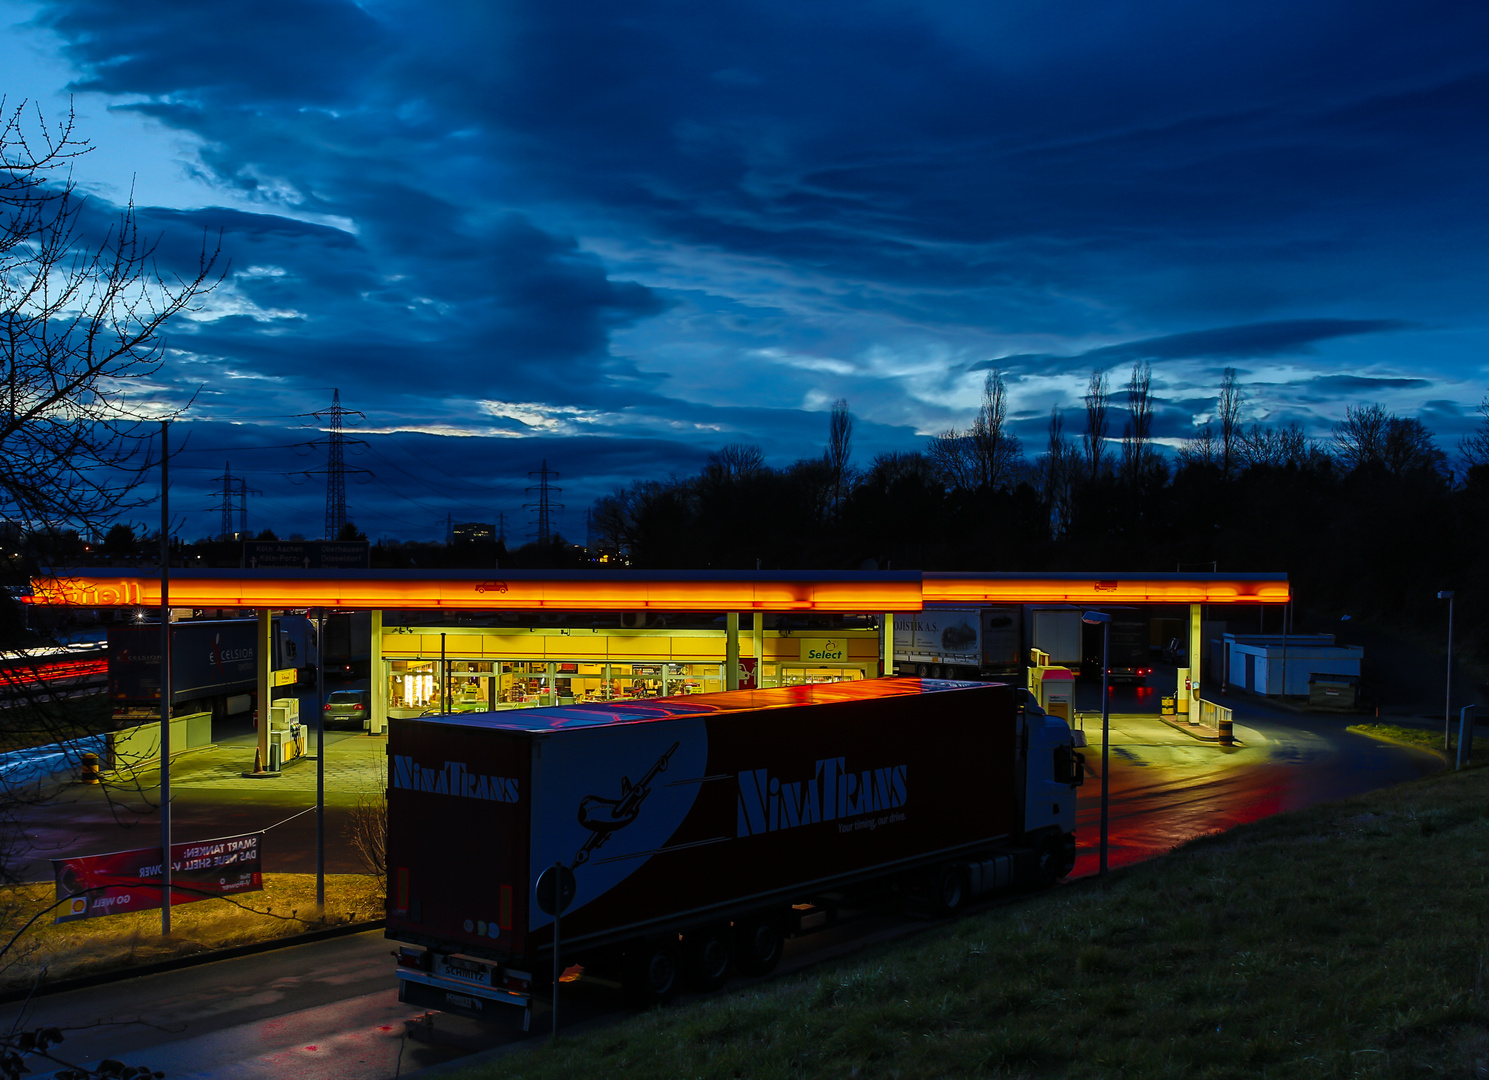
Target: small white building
x=1260, y=663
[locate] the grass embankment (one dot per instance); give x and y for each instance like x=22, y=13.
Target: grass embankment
x=1345, y=940
x=1426, y=739
x=285, y=907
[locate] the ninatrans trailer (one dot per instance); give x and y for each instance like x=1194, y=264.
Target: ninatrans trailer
x=687, y=835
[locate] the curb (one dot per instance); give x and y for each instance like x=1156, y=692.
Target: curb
x=1194, y=731
x=82, y=982
x=1440, y=754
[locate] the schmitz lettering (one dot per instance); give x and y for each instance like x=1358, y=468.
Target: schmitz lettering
x=769, y=804
x=453, y=779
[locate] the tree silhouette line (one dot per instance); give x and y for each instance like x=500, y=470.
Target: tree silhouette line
x=1372, y=520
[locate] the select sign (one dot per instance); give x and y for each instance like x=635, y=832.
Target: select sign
x=820, y=650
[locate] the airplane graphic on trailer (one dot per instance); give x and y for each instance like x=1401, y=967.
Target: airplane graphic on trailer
x=603, y=817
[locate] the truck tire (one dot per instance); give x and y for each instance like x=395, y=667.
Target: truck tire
x=709, y=956
x=758, y=944
x=923, y=671
x=946, y=889
x=653, y=973
x=1049, y=862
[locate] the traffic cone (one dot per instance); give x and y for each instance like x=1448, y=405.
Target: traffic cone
x=258, y=761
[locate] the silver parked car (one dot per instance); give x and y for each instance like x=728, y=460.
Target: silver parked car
x=347, y=708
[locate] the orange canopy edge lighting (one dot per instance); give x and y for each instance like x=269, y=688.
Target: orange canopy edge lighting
x=1094, y=591
x=846, y=593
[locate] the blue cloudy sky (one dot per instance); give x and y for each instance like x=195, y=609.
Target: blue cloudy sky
x=616, y=236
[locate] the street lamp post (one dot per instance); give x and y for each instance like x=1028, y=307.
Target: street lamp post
x=1101, y=618
x=1447, y=709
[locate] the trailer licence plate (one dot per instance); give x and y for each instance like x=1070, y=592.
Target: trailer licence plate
x=466, y=970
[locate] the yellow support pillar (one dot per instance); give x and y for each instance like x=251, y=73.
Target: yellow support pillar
x=378, y=721
x=265, y=663
x=731, y=651
x=1195, y=659
x=757, y=633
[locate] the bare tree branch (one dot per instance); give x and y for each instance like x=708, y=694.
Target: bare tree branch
x=82, y=321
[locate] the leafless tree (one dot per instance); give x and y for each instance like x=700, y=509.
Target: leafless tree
x=1276, y=446
x=839, y=449
x=367, y=833
x=1474, y=447
x=1201, y=448
x=1057, y=468
x=1093, y=441
x=735, y=461
x=1137, y=431
x=1360, y=438
x=952, y=458
x=82, y=320
x=893, y=466
x=995, y=449
x=1228, y=413
x=1411, y=448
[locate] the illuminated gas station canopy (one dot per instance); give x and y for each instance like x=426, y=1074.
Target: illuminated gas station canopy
x=639, y=590
x=1092, y=590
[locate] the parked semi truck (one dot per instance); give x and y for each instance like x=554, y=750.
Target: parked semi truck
x=691, y=836
x=1128, y=657
x=955, y=643
x=213, y=664
x=348, y=645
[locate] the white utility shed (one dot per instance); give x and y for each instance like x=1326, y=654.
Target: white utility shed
x=1260, y=662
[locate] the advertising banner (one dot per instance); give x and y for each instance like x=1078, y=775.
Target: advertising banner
x=130, y=880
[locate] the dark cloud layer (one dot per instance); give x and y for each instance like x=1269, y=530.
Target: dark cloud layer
x=625, y=235
x=1268, y=339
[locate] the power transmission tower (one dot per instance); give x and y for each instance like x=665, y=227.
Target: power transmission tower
x=336, y=470
x=227, y=493
x=233, y=496
x=243, y=492
x=544, y=506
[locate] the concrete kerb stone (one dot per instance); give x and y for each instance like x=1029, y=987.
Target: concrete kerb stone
x=353, y=765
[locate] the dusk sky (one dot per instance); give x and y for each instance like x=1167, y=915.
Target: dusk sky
x=617, y=236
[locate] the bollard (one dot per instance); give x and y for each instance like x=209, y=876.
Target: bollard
x=1227, y=730
x=88, y=769
x=1465, y=735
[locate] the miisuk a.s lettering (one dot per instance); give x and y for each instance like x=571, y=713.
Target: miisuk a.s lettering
x=768, y=804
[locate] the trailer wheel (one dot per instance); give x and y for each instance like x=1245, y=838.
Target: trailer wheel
x=758, y=944
x=653, y=974
x=947, y=890
x=923, y=671
x=710, y=955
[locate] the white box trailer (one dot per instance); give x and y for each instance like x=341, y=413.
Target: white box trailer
x=960, y=642
x=1057, y=631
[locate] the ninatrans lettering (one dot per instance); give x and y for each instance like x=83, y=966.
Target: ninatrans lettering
x=767, y=804
x=453, y=779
